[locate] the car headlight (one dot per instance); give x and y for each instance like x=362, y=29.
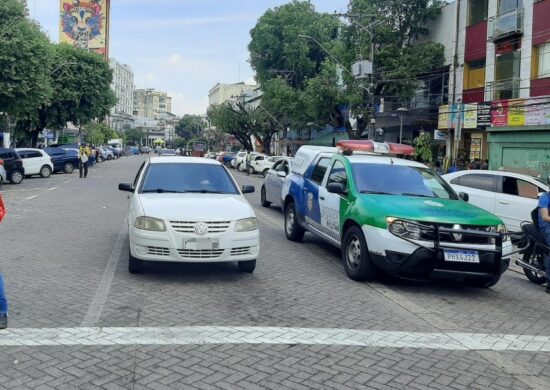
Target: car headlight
x=246, y=225
x=404, y=229
x=149, y=223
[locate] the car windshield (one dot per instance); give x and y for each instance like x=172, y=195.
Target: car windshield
x=392, y=179
x=188, y=177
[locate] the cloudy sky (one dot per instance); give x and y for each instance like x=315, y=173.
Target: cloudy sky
x=183, y=47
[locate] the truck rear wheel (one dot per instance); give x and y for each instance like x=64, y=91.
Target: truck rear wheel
x=355, y=256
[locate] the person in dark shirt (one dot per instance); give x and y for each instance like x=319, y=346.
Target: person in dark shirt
x=544, y=225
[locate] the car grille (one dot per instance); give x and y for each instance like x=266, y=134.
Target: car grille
x=245, y=250
x=200, y=254
x=189, y=226
x=429, y=235
x=158, y=251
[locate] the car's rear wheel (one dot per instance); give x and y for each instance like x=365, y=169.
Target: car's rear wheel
x=68, y=168
x=45, y=171
x=100, y=159
x=247, y=266
x=264, y=173
x=240, y=168
x=109, y=157
x=135, y=266
x=251, y=170
x=355, y=255
x=263, y=198
x=483, y=282
x=293, y=230
x=16, y=177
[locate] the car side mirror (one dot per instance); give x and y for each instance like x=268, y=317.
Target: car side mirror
x=247, y=189
x=281, y=174
x=127, y=187
x=337, y=188
x=464, y=196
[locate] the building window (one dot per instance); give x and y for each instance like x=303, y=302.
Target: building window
x=477, y=11
x=474, y=75
x=509, y=5
x=544, y=60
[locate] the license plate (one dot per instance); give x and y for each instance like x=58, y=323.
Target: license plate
x=461, y=256
x=197, y=244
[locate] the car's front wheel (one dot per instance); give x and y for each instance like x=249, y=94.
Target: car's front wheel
x=355, y=255
x=100, y=159
x=293, y=230
x=135, y=266
x=109, y=157
x=263, y=198
x=247, y=266
x=16, y=177
x=45, y=171
x=68, y=168
x=264, y=173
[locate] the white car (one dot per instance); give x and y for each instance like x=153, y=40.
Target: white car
x=190, y=209
x=3, y=174
x=107, y=153
x=239, y=158
x=262, y=163
x=510, y=196
x=272, y=188
x=241, y=165
x=36, y=162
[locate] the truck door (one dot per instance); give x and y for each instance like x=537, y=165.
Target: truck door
x=311, y=193
x=330, y=203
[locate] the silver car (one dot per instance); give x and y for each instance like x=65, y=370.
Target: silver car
x=3, y=175
x=272, y=188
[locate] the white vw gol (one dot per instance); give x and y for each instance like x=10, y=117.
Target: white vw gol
x=190, y=209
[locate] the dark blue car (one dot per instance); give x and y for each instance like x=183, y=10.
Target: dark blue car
x=63, y=160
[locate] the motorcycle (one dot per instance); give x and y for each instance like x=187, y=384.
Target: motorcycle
x=534, y=248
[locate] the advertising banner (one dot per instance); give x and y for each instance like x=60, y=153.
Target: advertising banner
x=484, y=114
x=470, y=116
x=516, y=113
x=440, y=135
x=499, y=113
x=456, y=110
x=444, y=118
x=537, y=112
x=85, y=24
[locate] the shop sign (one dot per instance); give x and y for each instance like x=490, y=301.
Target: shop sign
x=484, y=114
x=470, y=116
x=499, y=113
x=516, y=113
x=537, y=112
x=444, y=118
x=440, y=135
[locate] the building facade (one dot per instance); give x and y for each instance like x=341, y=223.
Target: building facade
x=500, y=83
x=121, y=117
x=151, y=103
x=221, y=93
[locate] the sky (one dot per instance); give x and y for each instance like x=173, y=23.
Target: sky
x=183, y=47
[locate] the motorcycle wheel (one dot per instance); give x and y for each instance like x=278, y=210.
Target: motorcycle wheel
x=535, y=277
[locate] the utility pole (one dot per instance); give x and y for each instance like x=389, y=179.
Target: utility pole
x=458, y=108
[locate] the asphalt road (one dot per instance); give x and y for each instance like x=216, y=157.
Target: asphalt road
x=79, y=320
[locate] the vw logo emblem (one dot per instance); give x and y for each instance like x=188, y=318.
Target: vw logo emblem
x=201, y=228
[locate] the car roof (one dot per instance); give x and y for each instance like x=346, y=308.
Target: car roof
x=496, y=173
x=182, y=160
x=382, y=159
x=28, y=149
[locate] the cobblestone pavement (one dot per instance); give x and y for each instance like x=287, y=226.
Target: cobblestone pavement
x=64, y=258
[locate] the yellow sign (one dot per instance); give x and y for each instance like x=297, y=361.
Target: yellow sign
x=85, y=24
x=444, y=118
x=516, y=113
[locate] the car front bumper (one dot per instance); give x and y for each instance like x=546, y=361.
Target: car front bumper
x=169, y=246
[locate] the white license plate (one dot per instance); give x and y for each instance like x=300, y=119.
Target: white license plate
x=461, y=256
x=197, y=244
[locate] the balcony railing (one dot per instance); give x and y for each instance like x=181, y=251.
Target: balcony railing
x=504, y=89
x=506, y=24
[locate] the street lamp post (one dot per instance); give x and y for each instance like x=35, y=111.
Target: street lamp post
x=401, y=111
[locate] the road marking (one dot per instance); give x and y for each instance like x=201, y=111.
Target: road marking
x=51, y=189
x=32, y=197
x=100, y=298
x=190, y=335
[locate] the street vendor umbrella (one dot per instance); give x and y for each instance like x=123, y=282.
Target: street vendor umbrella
x=159, y=141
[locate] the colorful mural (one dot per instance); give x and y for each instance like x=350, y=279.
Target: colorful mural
x=85, y=24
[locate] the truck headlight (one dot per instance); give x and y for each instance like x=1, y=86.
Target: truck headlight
x=502, y=230
x=404, y=229
x=246, y=225
x=149, y=223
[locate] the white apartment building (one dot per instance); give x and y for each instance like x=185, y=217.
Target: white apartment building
x=221, y=93
x=123, y=87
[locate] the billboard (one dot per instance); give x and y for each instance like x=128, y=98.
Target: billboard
x=85, y=24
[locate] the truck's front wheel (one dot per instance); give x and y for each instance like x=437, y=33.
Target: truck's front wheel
x=355, y=255
x=293, y=230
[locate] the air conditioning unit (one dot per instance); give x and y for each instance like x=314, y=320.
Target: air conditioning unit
x=361, y=69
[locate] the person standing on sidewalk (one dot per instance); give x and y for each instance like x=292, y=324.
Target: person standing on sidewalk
x=3, y=299
x=83, y=156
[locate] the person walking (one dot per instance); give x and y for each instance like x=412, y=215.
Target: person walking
x=83, y=156
x=544, y=225
x=3, y=299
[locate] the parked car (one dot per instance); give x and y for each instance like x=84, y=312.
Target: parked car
x=64, y=160
x=189, y=209
x=242, y=165
x=271, y=192
x=510, y=196
x=392, y=214
x=239, y=157
x=145, y=150
x=167, y=152
x=115, y=151
x=13, y=164
x=3, y=174
x=107, y=153
x=262, y=163
x=225, y=158
x=36, y=162
x=211, y=155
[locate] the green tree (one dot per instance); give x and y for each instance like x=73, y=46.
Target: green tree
x=424, y=147
x=189, y=126
x=98, y=133
x=236, y=120
x=134, y=136
x=25, y=62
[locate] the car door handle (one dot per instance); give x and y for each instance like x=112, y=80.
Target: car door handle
x=322, y=197
x=503, y=202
